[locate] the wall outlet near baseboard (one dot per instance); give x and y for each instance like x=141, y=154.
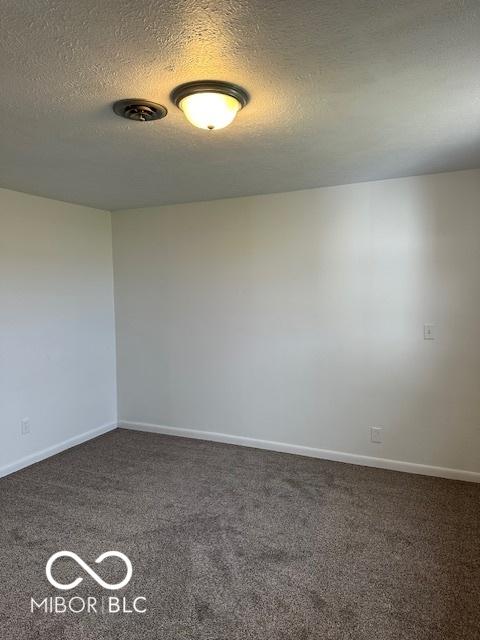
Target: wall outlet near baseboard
x=376, y=435
x=25, y=426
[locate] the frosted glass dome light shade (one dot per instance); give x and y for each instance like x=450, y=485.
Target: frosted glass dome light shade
x=211, y=104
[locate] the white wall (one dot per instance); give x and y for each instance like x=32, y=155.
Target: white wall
x=57, y=343
x=298, y=317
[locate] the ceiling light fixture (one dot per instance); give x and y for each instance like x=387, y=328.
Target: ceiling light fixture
x=210, y=104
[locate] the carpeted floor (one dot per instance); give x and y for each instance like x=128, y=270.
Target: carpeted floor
x=230, y=543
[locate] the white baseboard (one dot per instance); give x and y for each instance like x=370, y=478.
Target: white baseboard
x=56, y=448
x=325, y=454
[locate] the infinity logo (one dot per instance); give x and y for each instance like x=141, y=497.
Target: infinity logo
x=87, y=569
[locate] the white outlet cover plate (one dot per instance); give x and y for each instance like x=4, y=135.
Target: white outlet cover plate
x=376, y=435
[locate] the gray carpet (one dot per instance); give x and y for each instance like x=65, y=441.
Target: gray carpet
x=229, y=543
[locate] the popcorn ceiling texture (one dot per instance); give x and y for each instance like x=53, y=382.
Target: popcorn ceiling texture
x=230, y=543
x=341, y=92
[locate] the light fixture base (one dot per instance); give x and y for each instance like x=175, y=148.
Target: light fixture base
x=139, y=110
x=210, y=86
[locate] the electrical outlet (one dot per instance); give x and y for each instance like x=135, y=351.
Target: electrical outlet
x=25, y=426
x=429, y=332
x=376, y=435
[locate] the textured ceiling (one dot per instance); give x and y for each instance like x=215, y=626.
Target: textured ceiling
x=340, y=92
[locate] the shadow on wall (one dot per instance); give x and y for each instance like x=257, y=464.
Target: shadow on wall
x=426, y=259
